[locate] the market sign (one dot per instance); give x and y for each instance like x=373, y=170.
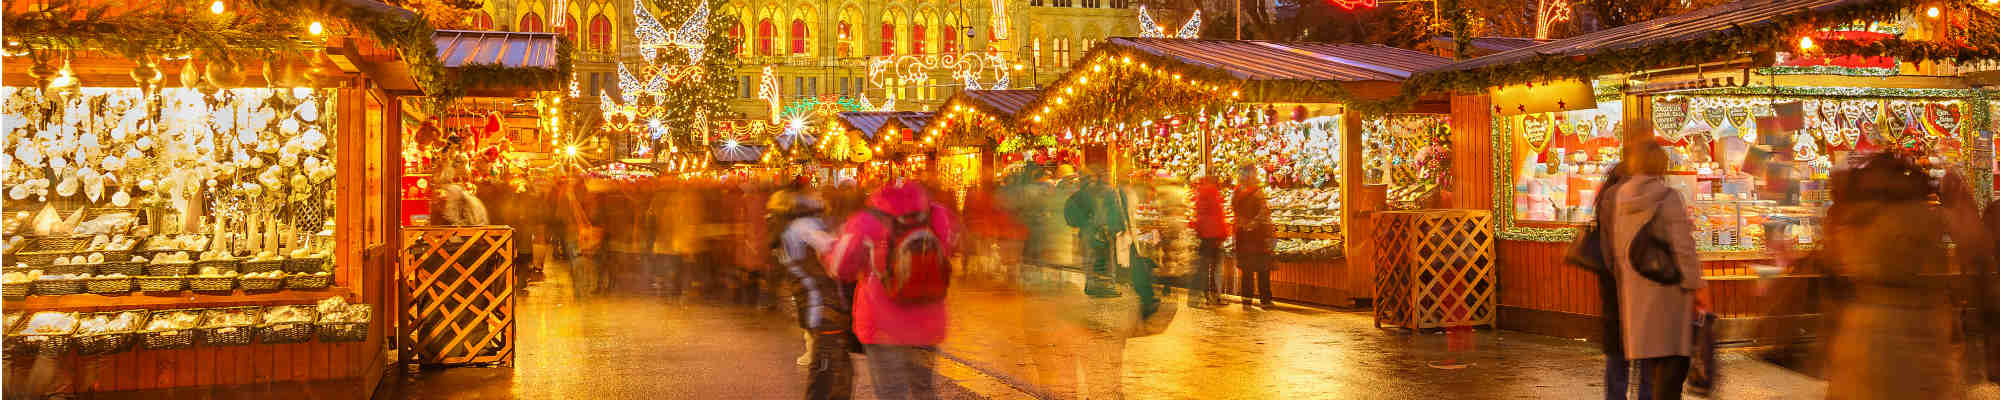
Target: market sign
x=1538, y=98
x=1669, y=117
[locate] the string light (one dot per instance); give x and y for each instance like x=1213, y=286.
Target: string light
x=1805, y=43
x=1932, y=12
x=316, y=28
x=215, y=7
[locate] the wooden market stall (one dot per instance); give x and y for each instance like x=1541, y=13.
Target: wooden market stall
x=1749, y=81
x=220, y=209
x=456, y=298
x=883, y=143
x=1177, y=108
x=973, y=123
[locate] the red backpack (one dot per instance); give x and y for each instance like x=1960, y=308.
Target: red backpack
x=917, y=270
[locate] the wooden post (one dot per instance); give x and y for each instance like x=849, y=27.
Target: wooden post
x=1353, y=215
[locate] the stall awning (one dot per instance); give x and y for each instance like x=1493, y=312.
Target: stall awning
x=870, y=123
x=1694, y=25
x=1002, y=103
x=1488, y=44
x=1296, y=61
x=502, y=64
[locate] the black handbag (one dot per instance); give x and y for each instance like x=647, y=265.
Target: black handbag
x=1653, y=257
x=1587, y=251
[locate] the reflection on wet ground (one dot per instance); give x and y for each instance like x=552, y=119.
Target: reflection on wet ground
x=624, y=347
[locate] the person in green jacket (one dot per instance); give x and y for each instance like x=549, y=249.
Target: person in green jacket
x=1097, y=211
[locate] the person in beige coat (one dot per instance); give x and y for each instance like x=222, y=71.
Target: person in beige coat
x=1894, y=335
x=1657, y=319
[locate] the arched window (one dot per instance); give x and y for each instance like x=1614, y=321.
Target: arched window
x=948, y=40
x=569, y=28
x=600, y=33
x=917, y=39
x=799, y=36
x=736, y=32
x=845, y=46
x=766, y=32
x=531, y=22
x=888, y=38
x=482, y=21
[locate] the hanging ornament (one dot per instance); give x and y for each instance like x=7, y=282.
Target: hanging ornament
x=190, y=74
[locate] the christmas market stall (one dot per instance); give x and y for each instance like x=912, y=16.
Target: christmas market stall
x=1758, y=102
x=882, y=144
x=458, y=275
x=1324, y=125
x=972, y=124
x=200, y=194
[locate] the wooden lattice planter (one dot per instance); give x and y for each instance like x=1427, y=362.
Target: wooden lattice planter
x=1435, y=269
x=458, y=294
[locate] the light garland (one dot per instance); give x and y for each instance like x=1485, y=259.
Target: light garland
x=653, y=36
x=1547, y=14
x=999, y=24
x=1151, y=29
x=910, y=69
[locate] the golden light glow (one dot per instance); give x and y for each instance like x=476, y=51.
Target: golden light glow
x=1100, y=68
x=571, y=150
x=1932, y=12
x=216, y=7
x=1083, y=79
x=1805, y=43
x=1234, y=93
x=1127, y=60
x=316, y=28
x=1069, y=90
x=1038, y=118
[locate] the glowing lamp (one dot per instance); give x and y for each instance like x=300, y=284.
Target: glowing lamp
x=1805, y=43
x=216, y=7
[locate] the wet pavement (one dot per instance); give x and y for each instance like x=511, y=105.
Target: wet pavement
x=628, y=347
x=639, y=347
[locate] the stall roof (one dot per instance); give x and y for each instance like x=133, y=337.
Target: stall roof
x=512, y=64
x=1006, y=103
x=1692, y=25
x=1301, y=61
x=1490, y=44
x=871, y=122
x=507, y=49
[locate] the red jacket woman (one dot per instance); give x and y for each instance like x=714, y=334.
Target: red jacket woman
x=1209, y=222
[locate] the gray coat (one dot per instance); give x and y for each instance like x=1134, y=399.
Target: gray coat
x=1658, y=320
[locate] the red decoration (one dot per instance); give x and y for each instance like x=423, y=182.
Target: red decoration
x=1353, y=4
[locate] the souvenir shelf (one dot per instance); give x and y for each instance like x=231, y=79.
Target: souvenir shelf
x=165, y=192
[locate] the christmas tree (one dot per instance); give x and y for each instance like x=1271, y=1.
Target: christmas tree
x=686, y=79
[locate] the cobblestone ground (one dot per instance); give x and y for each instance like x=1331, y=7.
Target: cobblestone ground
x=644, y=347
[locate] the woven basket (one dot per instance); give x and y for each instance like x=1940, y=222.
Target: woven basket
x=111, y=255
x=305, y=265
x=229, y=335
x=346, y=331
x=68, y=269
x=55, y=343
x=169, y=269
x=162, y=283
x=35, y=258
x=15, y=291
x=110, y=342
x=308, y=281
x=57, y=243
x=122, y=267
x=260, y=283
x=169, y=339
x=288, y=332
x=343, y=331
x=58, y=287
x=211, y=283
x=221, y=266
x=116, y=285
x=261, y=266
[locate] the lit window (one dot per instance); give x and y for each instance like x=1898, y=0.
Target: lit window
x=917, y=39
x=888, y=39
x=600, y=33
x=799, y=36
x=531, y=22
x=765, y=35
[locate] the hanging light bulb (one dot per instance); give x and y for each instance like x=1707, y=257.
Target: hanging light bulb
x=1805, y=43
x=316, y=28
x=1932, y=12
x=215, y=7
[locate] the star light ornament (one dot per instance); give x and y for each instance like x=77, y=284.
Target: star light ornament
x=1547, y=14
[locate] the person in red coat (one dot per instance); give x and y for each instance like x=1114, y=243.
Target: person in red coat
x=1211, y=227
x=1253, y=238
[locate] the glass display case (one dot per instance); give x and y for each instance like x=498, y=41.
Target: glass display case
x=1565, y=158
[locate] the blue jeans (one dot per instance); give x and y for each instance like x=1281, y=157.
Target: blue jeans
x=1618, y=377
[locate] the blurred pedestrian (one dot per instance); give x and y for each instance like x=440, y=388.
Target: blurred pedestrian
x=823, y=310
x=1211, y=228
x=1649, y=228
x=1592, y=255
x=1097, y=211
x=1894, y=333
x=1253, y=238
x=900, y=333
